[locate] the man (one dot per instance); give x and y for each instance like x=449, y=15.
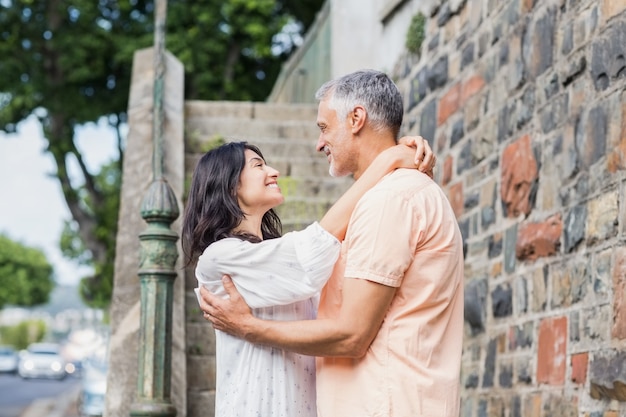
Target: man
x=390, y=321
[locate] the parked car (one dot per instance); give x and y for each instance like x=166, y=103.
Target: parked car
x=8, y=359
x=42, y=360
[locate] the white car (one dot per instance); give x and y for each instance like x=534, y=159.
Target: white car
x=8, y=359
x=42, y=360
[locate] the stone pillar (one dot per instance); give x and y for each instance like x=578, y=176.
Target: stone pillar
x=137, y=177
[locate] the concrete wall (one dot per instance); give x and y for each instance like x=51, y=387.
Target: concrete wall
x=137, y=176
x=308, y=67
x=347, y=35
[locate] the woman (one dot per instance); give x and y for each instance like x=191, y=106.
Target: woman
x=230, y=227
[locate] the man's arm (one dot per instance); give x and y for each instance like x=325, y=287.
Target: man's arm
x=364, y=307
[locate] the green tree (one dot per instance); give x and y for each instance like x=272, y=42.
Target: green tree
x=23, y=334
x=68, y=62
x=26, y=276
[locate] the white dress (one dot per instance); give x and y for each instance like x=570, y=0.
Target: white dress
x=280, y=279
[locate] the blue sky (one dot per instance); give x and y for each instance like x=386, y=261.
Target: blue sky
x=32, y=208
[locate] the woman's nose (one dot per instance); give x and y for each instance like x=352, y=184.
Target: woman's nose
x=272, y=172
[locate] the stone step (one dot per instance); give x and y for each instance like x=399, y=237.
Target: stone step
x=313, y=187
x=251, y=130
x=248, y=110
x=290, y=157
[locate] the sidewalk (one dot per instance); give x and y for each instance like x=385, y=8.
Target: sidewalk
x=65, y=405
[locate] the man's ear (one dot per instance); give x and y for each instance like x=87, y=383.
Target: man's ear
x=357, y=118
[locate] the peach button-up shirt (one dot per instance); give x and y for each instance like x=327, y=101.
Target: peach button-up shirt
x=404, y=234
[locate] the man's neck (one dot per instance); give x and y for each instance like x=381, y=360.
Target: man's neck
x=372, y=144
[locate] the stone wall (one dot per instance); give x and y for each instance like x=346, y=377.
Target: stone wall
x=525, y=101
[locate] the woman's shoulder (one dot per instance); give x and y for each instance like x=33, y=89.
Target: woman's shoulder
x=224, y=246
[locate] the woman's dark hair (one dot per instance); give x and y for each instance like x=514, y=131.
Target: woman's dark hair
x=212, y=211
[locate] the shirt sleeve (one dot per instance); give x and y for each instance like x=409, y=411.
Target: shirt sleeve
x=273, y=272
x=382, y=238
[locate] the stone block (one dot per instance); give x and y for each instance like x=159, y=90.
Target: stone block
x=574, y=231
x=483, y=145
x=554, y=114
x=470, y=87
x=521, y=337
x=519, y=174
x=282, y=112
x=505, y=375
x=611, y=8
x=536, y=240
x=533, y=404
x=618, y=330
x=464, y=160
x=571, y=282
x=428, y=122
x=591, y=136
x=201, y=373
x=502, y=301
x=495, y=245
x=200, y=339
x=579, y=368
x=551, y=351
x=489, y=367
x=616, y=159
x=607, y=56
x=596, y=325
x=510, y=239
x=539, y=291
x=520, y=294
x=607, y=375
x=475, y=307
x=538, y=43
x=447, y=170
x=560, y=405
x=602, y=218
x=196, y=109
x=455, y=195
x=254, y=131
x=436, y=76
x=449, y=104
x=201, y=403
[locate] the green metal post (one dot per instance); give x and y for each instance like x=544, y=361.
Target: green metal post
x=157, y=265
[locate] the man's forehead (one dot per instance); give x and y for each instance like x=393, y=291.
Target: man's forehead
x=323, y=111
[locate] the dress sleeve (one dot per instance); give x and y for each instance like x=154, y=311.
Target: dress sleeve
x=274, y=272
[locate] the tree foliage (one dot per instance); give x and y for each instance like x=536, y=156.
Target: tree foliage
x=23, y=334
x=68, y=62
x=26, y=277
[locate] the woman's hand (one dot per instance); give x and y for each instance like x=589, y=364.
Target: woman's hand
x=421, y=158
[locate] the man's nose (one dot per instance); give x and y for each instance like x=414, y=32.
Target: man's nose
x=320, y=144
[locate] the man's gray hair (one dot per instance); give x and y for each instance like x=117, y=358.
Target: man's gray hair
x=373, y=90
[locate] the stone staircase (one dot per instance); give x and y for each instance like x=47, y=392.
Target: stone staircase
x=286, y=134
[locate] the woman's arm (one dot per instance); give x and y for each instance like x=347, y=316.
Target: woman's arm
x=336, y=219
x=273, y=272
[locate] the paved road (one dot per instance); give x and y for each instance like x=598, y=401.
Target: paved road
x=16, y=394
